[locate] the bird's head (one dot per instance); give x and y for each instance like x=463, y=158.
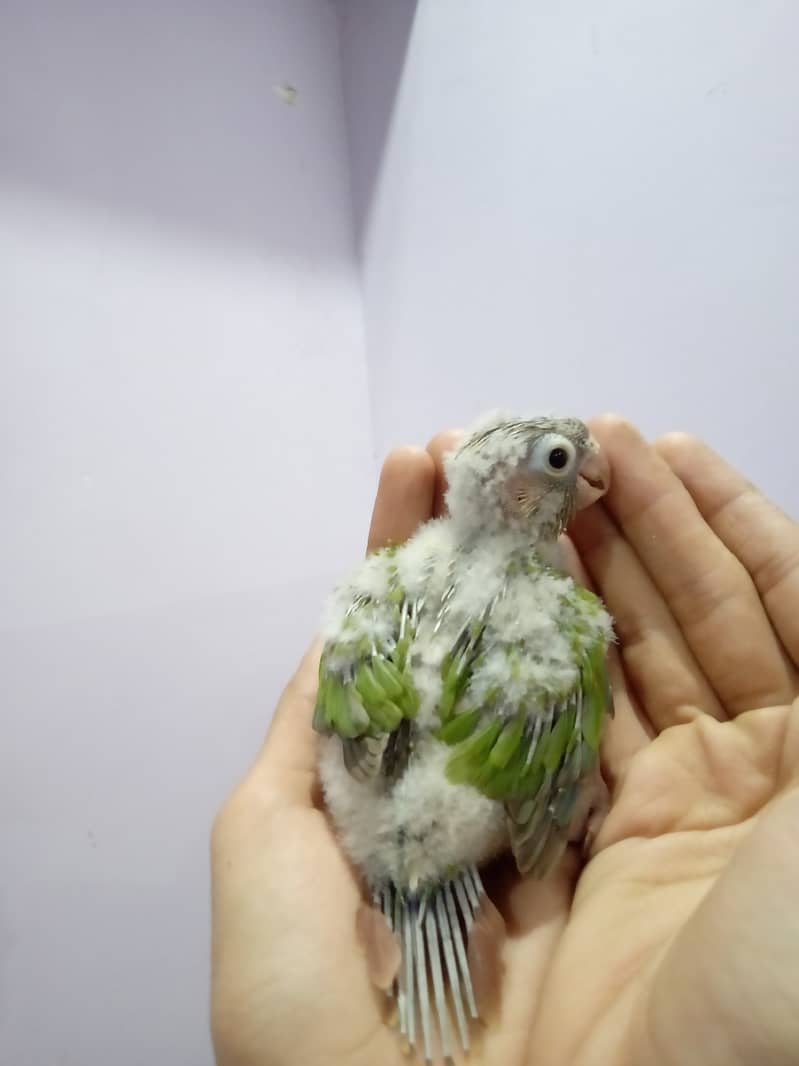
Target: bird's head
x=525, y=475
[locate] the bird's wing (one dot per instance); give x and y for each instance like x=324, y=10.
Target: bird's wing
x=530, y=742
x=366, y=696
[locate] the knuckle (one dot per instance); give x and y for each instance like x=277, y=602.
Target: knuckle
x=404, y=457
x=249, y=809
x=678, y=444
x=612, y=426
x=445, y=441
x=224, y=818
x=234, y=812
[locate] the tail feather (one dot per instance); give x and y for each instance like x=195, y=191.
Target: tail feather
x=457, y=903
x=446, y=914
x=434, y=987
x=434, y=956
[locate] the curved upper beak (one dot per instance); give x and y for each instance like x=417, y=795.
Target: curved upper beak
x=593, y=478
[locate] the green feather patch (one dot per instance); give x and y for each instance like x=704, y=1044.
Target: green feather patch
x=512, y=780
x=388, y=677
x=467, y=762
x=338, y=709
x=460, y=726
x=367, y=685
x=595, y=696
x=559, y=738
x=507, y=744
x=386, y=716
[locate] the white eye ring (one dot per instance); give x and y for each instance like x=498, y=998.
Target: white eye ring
x=553, y=455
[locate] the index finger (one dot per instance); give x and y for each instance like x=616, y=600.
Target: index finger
x=753, y=528
x=438, y=448
x=707, y=589
x=404, y=497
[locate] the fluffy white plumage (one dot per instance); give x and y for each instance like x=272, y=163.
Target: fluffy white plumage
x=424, y=828
x=439, y=824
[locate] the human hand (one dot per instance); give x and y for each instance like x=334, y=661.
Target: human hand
x=643, y=959
x=682, y=944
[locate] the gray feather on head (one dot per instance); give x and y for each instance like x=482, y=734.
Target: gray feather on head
x=500, y=479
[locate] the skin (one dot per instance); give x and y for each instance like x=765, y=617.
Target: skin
x=678, y=942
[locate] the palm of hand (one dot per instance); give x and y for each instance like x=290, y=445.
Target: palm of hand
x=678, y=942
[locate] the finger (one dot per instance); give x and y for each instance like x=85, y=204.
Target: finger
x=756, y=531
x=439, y=446
x=664, y=674
x=404, y=496
x=285, y=770
x=628, y=731
x=706, y=588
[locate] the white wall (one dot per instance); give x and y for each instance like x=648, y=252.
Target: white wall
x=588, y=206
x=185, y=466
x=374, y=38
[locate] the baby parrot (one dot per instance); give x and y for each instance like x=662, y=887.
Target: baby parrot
x=462, y=694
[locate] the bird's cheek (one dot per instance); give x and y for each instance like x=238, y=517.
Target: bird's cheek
x=521, y=495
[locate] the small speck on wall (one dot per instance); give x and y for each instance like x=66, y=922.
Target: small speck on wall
x=287, y=93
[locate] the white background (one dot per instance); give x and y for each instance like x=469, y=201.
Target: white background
x=216, y=309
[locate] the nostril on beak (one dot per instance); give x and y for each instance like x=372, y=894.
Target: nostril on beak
x=596, y=481
x=594, y=477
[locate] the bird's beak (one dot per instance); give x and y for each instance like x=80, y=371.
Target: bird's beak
x=593, y=478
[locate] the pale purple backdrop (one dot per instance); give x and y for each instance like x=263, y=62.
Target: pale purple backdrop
x=220, y=301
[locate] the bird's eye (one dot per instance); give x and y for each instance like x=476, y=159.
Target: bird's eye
x=558, y=458
x=553, y=455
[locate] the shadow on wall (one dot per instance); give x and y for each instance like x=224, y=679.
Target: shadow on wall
x=226, y=119
x=375, y=38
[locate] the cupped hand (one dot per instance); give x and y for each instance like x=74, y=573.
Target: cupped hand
x=678, y=943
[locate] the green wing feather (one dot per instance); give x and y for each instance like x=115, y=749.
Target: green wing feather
x=534, y=756
x=370, y=698
x=366, y=692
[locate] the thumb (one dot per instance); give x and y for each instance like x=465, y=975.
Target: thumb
x=285, y=768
